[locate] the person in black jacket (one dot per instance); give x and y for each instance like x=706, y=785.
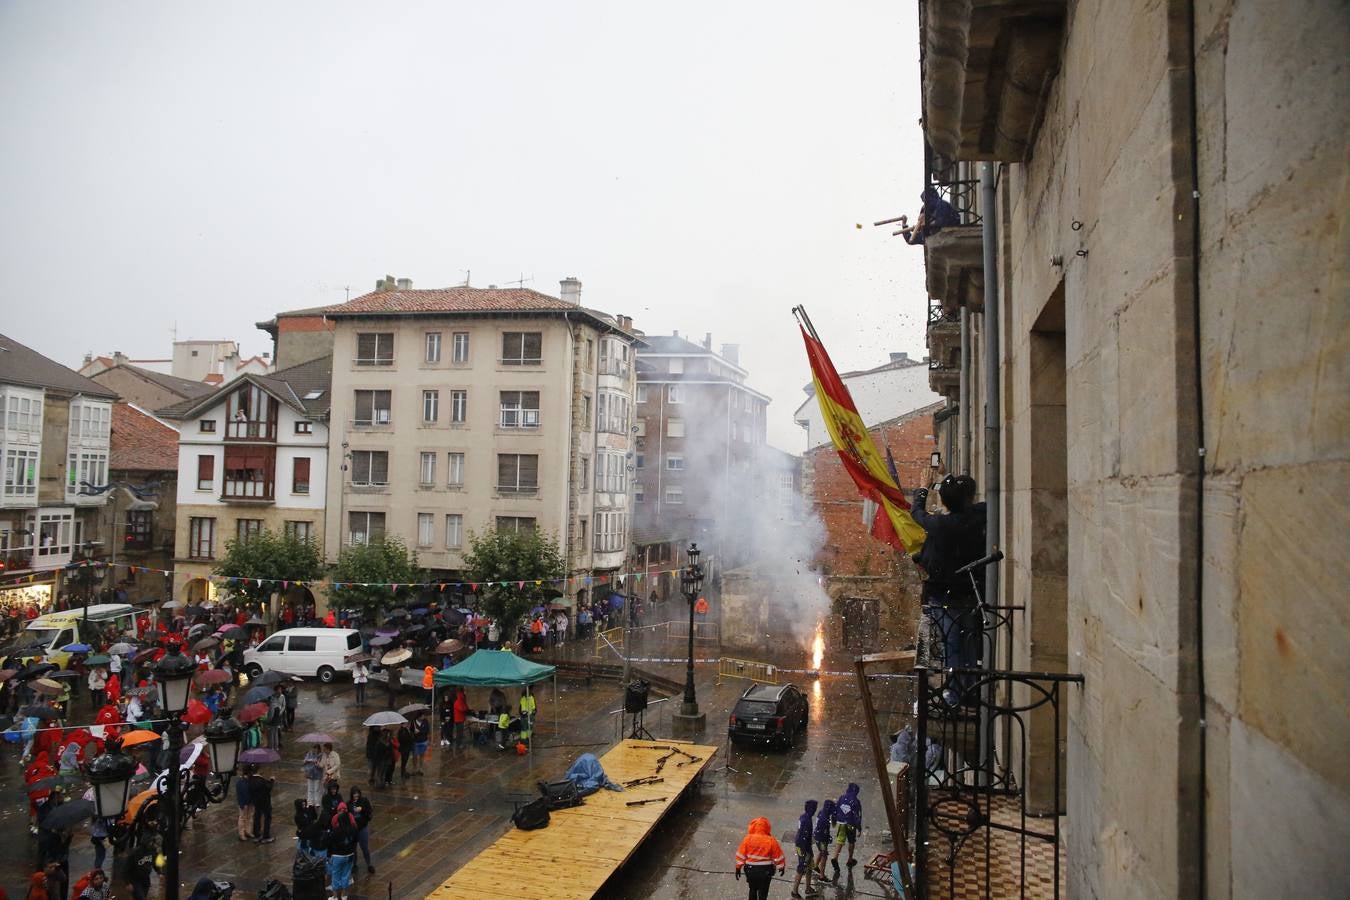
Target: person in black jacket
x=405, y=748
x=328, y=804
x=363, y=811
x=260, y=791
x=386, y=757
x=950, y=601
x=373, y=753
x=341, y=851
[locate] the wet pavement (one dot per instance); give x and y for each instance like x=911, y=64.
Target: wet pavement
x=425, y=828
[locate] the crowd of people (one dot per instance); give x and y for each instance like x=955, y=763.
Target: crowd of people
x=823, y=831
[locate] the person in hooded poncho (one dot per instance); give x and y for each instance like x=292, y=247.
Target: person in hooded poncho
x=757, y=857
x=848, y=822
x=823, y=834
x=801, y=842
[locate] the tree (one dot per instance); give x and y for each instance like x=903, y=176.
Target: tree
x=272, y=557
x=520, y=559
x=383, y=561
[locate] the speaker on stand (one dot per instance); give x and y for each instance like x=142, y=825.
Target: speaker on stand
x=635, y=705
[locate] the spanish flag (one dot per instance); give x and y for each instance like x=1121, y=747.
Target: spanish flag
x=860, y=456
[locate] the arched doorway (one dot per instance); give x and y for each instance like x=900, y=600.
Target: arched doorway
x=298, y=606
x=199, y=591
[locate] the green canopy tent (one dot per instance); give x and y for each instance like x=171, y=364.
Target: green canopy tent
x=497, y=668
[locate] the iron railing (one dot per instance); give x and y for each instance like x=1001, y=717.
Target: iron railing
x=954, y=182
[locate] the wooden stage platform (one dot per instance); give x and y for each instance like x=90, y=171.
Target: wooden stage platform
x=582, y=846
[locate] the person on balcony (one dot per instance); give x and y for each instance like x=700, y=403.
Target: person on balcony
x=951, y=601
x=935, y=215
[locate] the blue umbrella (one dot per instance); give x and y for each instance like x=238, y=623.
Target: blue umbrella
x=381, y=641
x=616, y=601
x=537, y=611
x=77, y=648
x=257, y=694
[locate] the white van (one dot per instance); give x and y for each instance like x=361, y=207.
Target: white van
x=75, y=626
x=304, y=651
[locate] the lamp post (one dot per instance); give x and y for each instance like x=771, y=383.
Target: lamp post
x=110, y=774
x=173, y=678
x=689, y=721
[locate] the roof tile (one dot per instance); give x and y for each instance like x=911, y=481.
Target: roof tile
x=452, y=299
x=141, y=443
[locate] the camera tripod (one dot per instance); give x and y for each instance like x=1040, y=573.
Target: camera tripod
x=639, y=731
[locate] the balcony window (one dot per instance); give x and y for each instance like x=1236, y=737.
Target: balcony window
x=24, y=417
x=201, y=538
x=372, y=408
x=431, y=407
x=138, y=530
x=522, y=348
x=516, y=524
x=612, y=413
x=249, y=473
x=454, y=531
x=21, y=473
x=363, y=527
x=206, y=472
x=610, y=531
x=55, y=536
x=520, y=409
x=459, y=407
x=375, y=348
x=611, y=473
x=432, y=352
x=459, y=347
x=85, y=470
x=614, y=358
x=89, y=421
x=370, y=468
x=454, y=467
x=517, y=473
x=426, y=529
x=252, y=415
x=300, y=475
x=426, y=470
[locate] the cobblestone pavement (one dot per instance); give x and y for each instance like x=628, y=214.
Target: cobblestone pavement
x=426, y=827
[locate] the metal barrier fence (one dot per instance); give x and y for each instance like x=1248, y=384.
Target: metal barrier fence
x=703, y=631
x=613, y=638
x=764, y=673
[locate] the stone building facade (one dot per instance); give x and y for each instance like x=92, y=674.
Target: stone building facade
x=1168, y=237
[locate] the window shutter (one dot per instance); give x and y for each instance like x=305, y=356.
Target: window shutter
x=206, y=468
x=300, y=475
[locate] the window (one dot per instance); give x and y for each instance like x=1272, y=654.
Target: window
x=273, y=644
x=516, y=524
x=640, y=460
x=611, y=473
x=302, y=643
x=454, y=469
x=140, y=526
x=433, y=347
x=21, y=472
x=459, y=347
x=612, y=413
x=426, y=529
x=24, y=415
x=590, y=354
x=89, y=421
x=247, y=528
x=206, y=472
x=304, y=427
x=56, y=533
x=640, y=427
x=522, y=348
x=301, y=531
x=207, y=426
x=249, y=470
x=454, y=531
x=85, y=468
x=431, y=406
x=677, y=367
x=674, y=427
x=201, y=538
x=517, y=473
x=300, y=475
x=375, y=348
x=459, y=407
x=637, y=492
x=735, y=432
x=614, y=357
x=370, y=468
x=673, y=394
x=585, y=473
x=641, y=393
x=426, y=470
x=674, y=494
x=581, y=533
x=586, y=411
x=675, y=462
x=362, y=527
x=520, y=409
x=610, y=530
x=373, y=408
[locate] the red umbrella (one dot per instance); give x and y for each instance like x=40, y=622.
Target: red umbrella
x=212, y=676
x=197, y=713
x=251, y=713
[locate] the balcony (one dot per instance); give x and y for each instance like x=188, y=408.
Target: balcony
x=240, y=490
x=944, y=335
x=250, y=430
x=985, y=67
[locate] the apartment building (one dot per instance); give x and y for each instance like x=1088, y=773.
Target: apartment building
x=54, y=442
x=466, y=409
x=252, y=455
x=700, y=430
x=140, y=518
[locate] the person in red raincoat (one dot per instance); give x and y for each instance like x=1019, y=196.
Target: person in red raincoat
x=41, y=768
x=330, y=620
x=113, y=690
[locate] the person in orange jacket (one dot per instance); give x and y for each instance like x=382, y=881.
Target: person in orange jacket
x=758, y=855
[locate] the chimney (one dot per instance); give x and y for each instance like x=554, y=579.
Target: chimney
x=385, y=284
x=732, y=353
x=707, y=340
x=570, y=290
x=625, y=322
x=405, y=284
x=676, y=333
x=119, y=358
x=899, y=357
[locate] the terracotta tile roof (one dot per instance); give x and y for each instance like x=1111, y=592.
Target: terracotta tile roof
x=141, y=443
x=453, y=299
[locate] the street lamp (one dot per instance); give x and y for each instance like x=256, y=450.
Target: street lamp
x=173, y=679
x=691, y=585
x=224, y=736
x=936, y=459
x=110, y=775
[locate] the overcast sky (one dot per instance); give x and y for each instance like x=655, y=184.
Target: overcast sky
x=205, y=165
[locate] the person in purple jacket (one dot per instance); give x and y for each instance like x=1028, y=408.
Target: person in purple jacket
x=802, y=844
x=823, y=834
x=848, y=819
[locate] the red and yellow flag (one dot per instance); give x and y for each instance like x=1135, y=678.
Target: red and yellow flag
x=864, y=464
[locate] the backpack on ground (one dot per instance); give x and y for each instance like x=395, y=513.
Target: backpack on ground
x=560, y=794
x=531, y=815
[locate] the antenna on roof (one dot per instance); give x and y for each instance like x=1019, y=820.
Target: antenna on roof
x=466, y=277
x=348, y=289
x=520, y=282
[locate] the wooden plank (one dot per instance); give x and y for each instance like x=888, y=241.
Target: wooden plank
x=588, y=842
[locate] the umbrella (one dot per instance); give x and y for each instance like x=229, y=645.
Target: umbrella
x=145, y=655
x=77, y=648
x=122, y=647
x=398, y=612
x=394, y=657
x=173, y=604
x=7, y=674
x=139, y=736
x=381, y=641
x=99, y=659
x=421, y=611
x=234, y=632
x=251, y=713
x=414, y=709
x=449, y=646
x=212, y=676
x=415, y=629
x=255, y=621
x=558, y=604
x=258, y=694
x=537, y=611
x=198, y=713
x=267, y=679
x=46, y=784
x=385, y=717
x=65, y=673
x=454, y=617
x=358, y=656
x=317, y=737
x=67, y=814
x=46, y=686
x=389, y=629
x=46, y=713
x=36, y=670
x=259, y=756
x=139, y=691
x=193, y=612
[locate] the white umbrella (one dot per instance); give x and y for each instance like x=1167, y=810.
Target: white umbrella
x=385, y=717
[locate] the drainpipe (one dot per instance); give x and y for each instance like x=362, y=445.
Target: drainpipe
x=963, y=464
x=992, y=456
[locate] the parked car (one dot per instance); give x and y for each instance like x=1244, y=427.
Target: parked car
x=772, y=713
x=317, y=652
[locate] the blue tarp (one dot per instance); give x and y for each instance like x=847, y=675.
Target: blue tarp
x=587, y=774
x=487, y=668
